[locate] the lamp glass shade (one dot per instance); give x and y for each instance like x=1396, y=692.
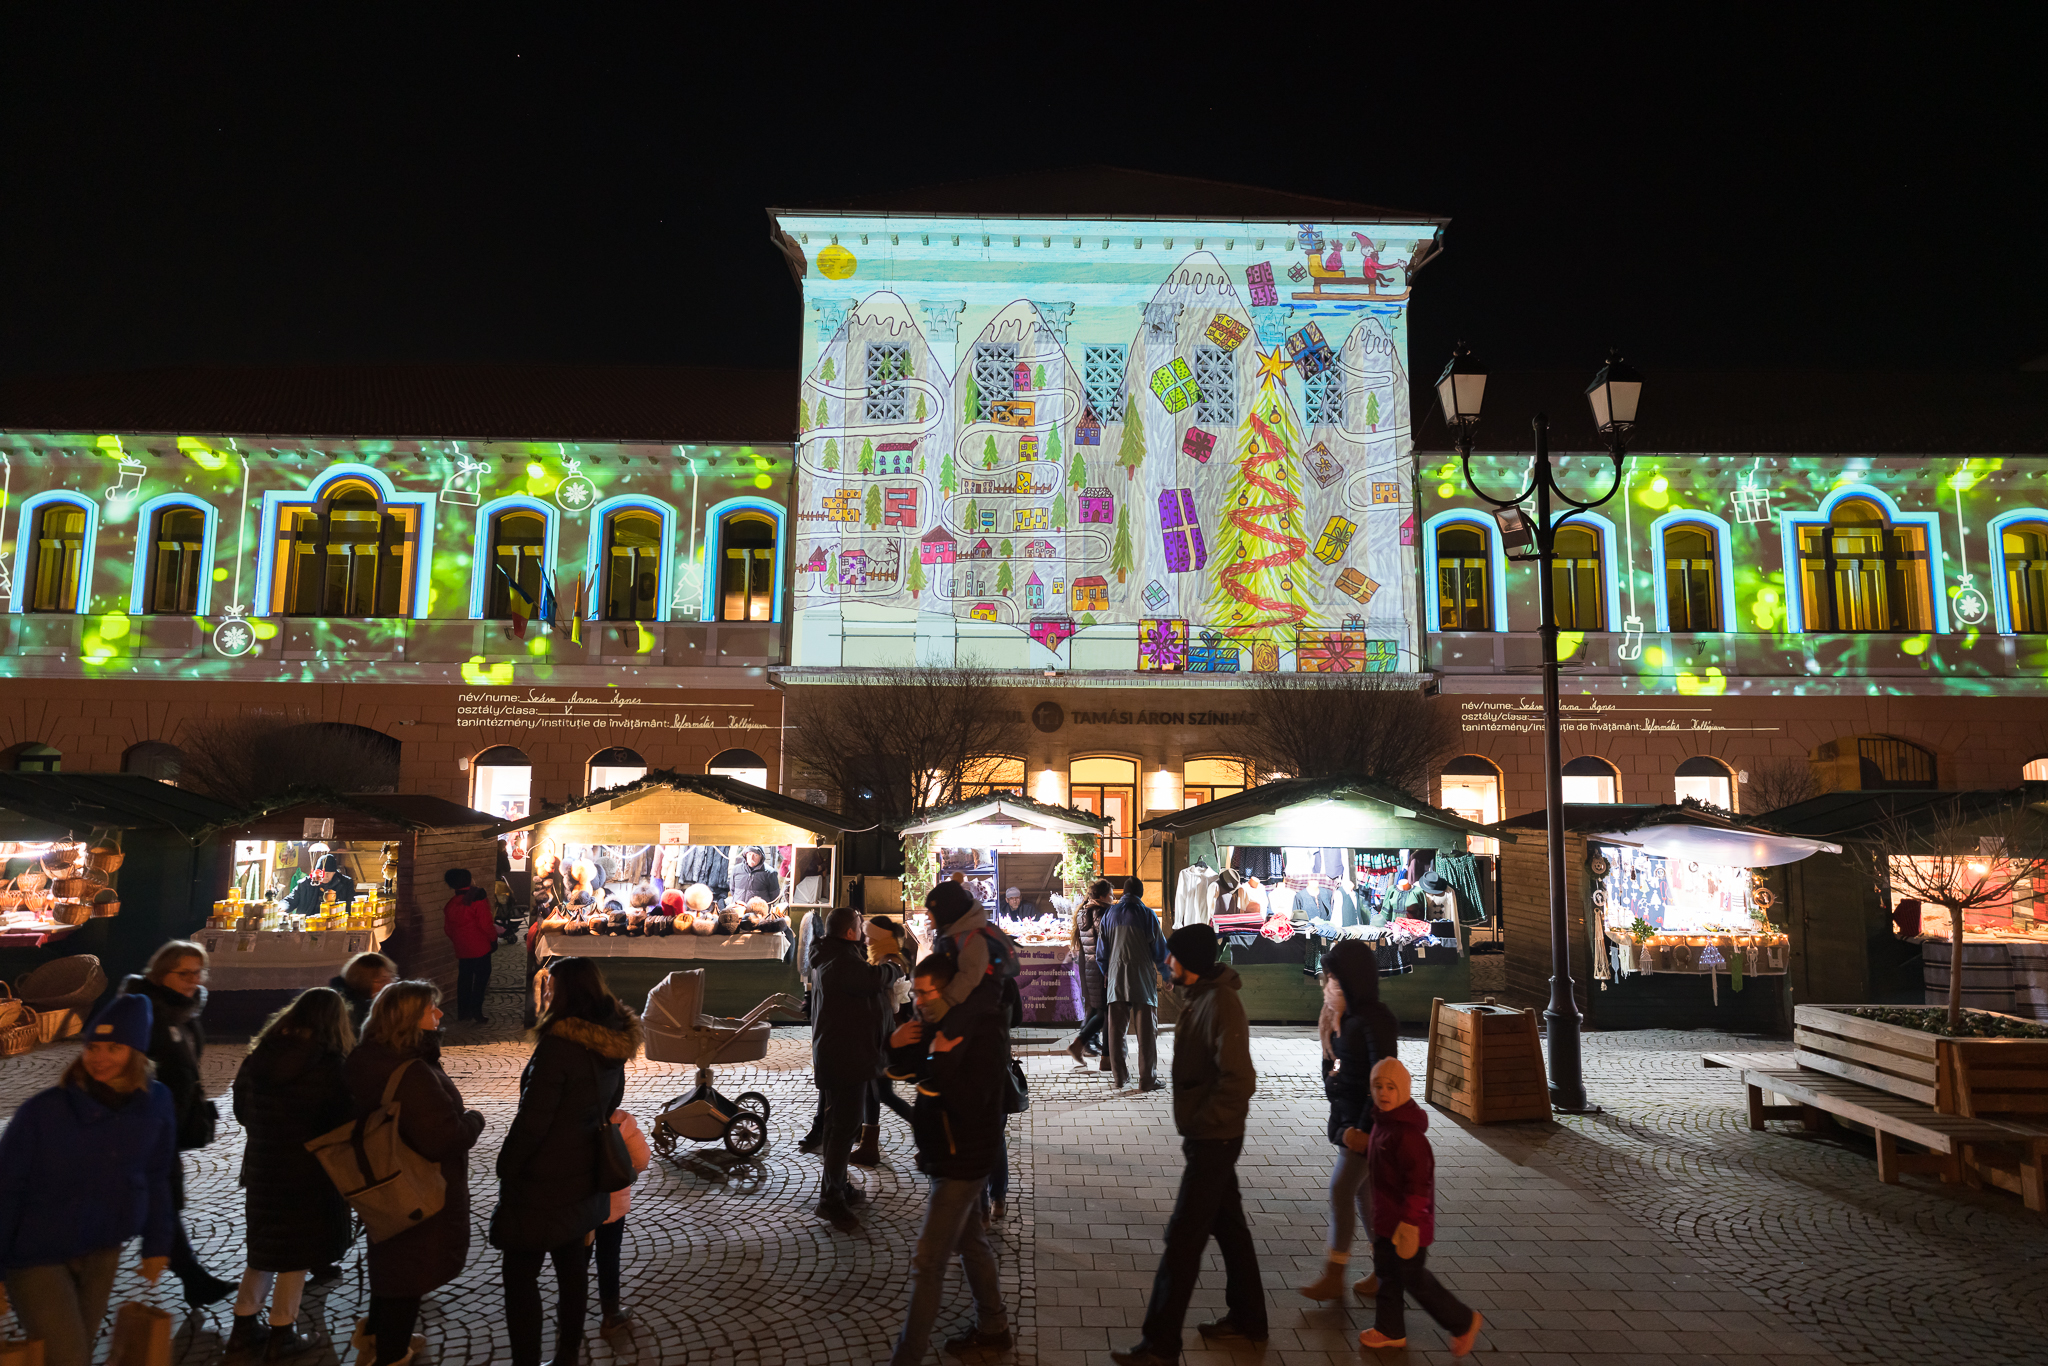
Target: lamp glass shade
x=1460, y=392
x=1613, y=395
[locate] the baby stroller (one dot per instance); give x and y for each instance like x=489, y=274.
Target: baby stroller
x=678, y=1031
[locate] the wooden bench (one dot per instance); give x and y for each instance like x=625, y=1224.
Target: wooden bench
x=1893, y=1119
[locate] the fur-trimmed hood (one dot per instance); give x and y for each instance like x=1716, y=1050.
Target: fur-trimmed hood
x=618, y=1040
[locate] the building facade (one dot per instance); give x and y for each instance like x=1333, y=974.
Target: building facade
x=518, y=621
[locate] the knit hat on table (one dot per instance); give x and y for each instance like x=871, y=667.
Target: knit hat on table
x=125, y=1019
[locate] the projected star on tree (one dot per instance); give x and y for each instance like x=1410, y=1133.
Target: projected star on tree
x=1273, y=365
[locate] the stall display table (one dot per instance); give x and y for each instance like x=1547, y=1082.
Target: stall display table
x=701, y=947
x=281, y=960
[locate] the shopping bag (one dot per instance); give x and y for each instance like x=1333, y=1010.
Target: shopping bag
x=142, y=1336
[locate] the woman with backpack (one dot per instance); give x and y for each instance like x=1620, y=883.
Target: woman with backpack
x=550, y=1198
x=292, y=1088
x=399, y=1059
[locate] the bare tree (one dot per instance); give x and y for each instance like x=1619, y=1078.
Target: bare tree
x=895, y=742
x=255, y=756
x=1960, y=861
x=1370, y=725
x=1780, y=783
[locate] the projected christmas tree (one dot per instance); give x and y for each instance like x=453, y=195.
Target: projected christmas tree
x=1262, y=581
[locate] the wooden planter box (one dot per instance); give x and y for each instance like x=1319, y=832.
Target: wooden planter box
x=1486, y=1063
x=1980, y=1077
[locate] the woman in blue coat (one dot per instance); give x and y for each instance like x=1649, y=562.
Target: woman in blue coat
x=84, y=1167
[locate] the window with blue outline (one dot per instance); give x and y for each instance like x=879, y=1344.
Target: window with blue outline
x=746, y=568
x=1692, y=578
x=2025, y=545
x=177, y=558
x=348, y=555
x=632, y=565
x=519, y=538
x=1862, y=573
x=1464, y=578
x=62, y=558
x=1578, y=598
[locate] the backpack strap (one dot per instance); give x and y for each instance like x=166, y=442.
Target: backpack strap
x=397, y=1073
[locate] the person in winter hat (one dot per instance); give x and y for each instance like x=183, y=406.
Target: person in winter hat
x=1131, y=951
x=1404, y=1218
x=1357, y=1032
x=174, y=982
x=473, y=932
x=850, y=1021
x=754, y=876
x=84, y=1167
x=885, y=950
x=291, y=1089
x=359, y=981
x=1213, y=1082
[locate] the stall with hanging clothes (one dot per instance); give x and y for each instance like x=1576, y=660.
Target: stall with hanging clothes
x=1285, y=870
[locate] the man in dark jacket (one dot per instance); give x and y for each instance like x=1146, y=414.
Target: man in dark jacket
x=307, y=895
x=1131, y=950
x=959, y=1057
x=849, y=1016
x=1213, y=1083
x=752, y=876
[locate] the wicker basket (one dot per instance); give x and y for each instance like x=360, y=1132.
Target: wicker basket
x=105, y=903
x=104, y=860
x=21, y=1036
x=52, y=1025
x=31, y=882
x=71, y=912
x=11, y=1007
x=11, y=898
x=70, y=887
x=72, y=983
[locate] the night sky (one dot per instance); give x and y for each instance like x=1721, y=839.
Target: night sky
x=1786, y=186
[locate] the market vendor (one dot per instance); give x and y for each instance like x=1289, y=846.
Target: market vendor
x=753, y=877
x=1016, y=906
x=309, y=892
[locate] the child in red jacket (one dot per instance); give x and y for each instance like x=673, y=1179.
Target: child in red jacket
x=1404, y=1218
x=473, y=933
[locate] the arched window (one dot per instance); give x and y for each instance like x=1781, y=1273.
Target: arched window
x=1204, y=780
x=1464, y=579
x=34, y=758
x=1588, y=780
x=154, y=759
x=60, y=533
x=177, y=559
x=2036, y=771
x=632, y=565
x=741, y=764
x=1706, y=780
x=1862, y=573
x=501, y=782
x=992, y=773
x=2025, y=547
x=746, y=582
x=1692, y=578
x=1577, y=596
x=615, y=767
x=1866, y=763
x=1471, y=788
x=347, y=555
x=1108, y=787
x=518, y=551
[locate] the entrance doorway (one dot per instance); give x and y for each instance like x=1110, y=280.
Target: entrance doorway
x=1108, y=787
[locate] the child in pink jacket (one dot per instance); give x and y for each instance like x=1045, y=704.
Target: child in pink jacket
x=611, y=1235
x=1404, y=1218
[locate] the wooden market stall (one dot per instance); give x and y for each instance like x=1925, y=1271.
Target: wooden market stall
x=1286, y=869
x=665, y=832
x=1026, y=862
x=59, y=898
x=394, y=847
x=1671, y=920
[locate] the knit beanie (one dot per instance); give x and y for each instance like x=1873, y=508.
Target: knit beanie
x=948, y=902
x=125, y=1019
x=1193, y=947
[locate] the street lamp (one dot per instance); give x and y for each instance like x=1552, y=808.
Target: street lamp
x=1612, y=395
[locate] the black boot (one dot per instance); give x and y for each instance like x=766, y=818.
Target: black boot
x=569, y=1353
x=202, y=1287
x=248, y=1333
x=285, y=1343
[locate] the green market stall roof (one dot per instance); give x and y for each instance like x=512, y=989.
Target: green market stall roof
x=731, y=791
x=1866, y=815
x=38, y=806
x=1066, y=820
x=1685, y=831
x=1341, y=811
x=357, y=815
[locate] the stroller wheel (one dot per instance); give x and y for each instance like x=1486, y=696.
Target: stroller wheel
x=746, y=1135
x=752, y=1101
x=664, y=1139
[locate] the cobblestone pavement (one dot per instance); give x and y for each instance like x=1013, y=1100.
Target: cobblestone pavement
x=1662, y=1231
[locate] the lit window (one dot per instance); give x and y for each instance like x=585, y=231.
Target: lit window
x=154, y=759
x=1204, y=780
x=1108, y=787
x=1464, y=591
x=615, y=767
x=888, y=364
x=1692, y=590
x=996, y=774
x=1216, y=377
x=2026, y=576
x=38, y=759
x=348, y=556
x=746, y=582
x=1471, y=788
x=502, y=782
x=60, y=558
x=518, y=547
x=177, y=544
x=1860, y=573
x=632, y=565
x=2036, y=771
x=1590, y=781
x=1706, y=780
x=1576, y=598
x=742, y=765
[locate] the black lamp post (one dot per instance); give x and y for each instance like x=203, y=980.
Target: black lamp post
x=1612, y=395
